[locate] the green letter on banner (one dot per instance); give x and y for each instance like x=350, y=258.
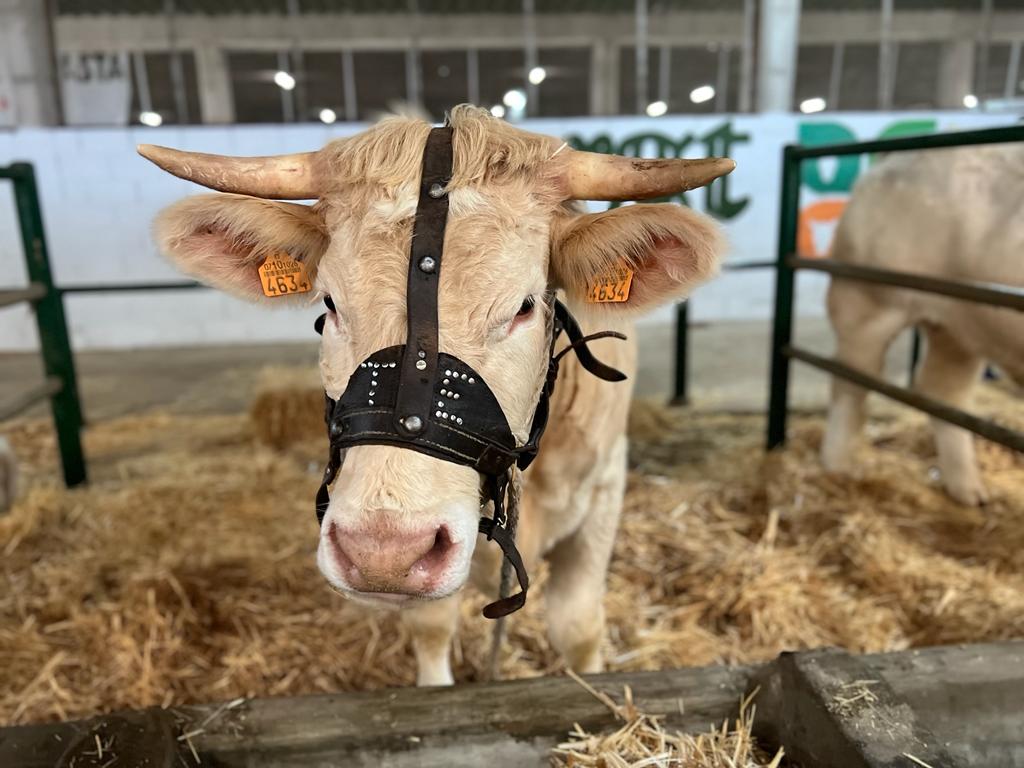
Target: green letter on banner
x=847, y=166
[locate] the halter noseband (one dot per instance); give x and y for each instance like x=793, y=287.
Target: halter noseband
x=415, y=396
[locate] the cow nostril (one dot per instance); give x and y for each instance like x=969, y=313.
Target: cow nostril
x=436, y=556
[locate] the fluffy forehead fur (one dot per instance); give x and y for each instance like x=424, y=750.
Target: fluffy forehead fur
x=485, y=150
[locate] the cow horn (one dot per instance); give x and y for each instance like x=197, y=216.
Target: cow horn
x=281, y=177
x=596, y=176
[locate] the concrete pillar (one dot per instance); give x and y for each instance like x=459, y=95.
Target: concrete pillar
x=216, y=101
x=956, y=73
x=780, y=33
x=604, y=79
x=26, y=45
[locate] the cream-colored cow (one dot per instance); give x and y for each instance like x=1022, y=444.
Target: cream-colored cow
x=946, y=213
x=401, y=528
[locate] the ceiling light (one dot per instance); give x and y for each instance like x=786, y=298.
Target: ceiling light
x=498, y=110
x=514, y=99
x=814, y=104
x=702, y=93
x=328, y=115
x=284, y=80
x=970, y=101
x=150, y=118
x=537, y=75
x=657, y=108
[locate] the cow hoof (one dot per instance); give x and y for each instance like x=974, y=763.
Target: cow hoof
x=970, y=494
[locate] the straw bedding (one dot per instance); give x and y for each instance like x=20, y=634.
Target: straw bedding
x=185, y=571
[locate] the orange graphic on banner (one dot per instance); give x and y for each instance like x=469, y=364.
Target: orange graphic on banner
x=821, y=212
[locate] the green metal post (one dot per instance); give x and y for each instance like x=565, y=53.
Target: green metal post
x=53, y=330
x=680, y=392
x=782, y=331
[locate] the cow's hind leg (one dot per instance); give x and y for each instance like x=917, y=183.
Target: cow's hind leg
x=864, y=330
x=579, y=569
x=949, y=373
x=432, y=626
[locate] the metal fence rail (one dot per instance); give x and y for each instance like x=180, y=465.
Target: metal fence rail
x=61, y=386
x=787, y=263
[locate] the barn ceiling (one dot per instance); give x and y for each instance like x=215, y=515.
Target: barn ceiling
x=220, y=7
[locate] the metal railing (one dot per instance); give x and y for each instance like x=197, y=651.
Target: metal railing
x=60, y=386
x=787, y=264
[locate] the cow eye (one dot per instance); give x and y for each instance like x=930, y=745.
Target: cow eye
x=526, y=307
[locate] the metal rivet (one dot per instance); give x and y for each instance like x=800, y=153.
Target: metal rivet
x=370, y=402
x=376, y=365
x=421, y=354
x=471, y=380
x=458, y=421
x=421, y=365
x=455, y=395
x=337, y=428
x=373, y=392
x=412, y=424
x=463, y=377
x=444, y=415
x=428, y=264
x=438, y=414
x=446, y=381
x=447, y=373
x=440, y=403
x=436, y=190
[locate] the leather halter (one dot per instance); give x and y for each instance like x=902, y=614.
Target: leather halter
x=415, y=396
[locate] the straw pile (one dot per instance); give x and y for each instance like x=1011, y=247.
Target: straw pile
x=185, y=572
x=641, y=741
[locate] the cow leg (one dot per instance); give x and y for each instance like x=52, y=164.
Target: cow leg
x=432, y=626
x=579, y=569
x=949, y=373
x=864, y=332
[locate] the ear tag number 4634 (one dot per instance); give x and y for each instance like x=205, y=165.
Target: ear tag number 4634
x=281, y=275
x=610, y=289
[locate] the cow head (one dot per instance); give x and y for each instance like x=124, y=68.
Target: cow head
x=402, y=525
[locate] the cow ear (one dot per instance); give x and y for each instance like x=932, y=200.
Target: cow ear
x=222, y=240
x=633, y=258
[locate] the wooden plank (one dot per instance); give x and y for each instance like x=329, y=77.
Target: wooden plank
x=971, y=697
x=485, y=721
x=833, y=710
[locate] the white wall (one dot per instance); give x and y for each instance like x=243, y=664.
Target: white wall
x=99, y=197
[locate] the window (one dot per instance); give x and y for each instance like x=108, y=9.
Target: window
x=445, y=81
x=380, y=82
x=157, y=92
x=324, y=84
x=917, y=76
x=501, y=70
x=565, y=91
x=258, y=99
x=814, y=74
x=689, y=81
x=858, y=87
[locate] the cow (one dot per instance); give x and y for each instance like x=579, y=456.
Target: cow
x=953, y=214
x=401, y=527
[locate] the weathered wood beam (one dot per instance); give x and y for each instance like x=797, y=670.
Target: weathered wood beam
x=970, y=697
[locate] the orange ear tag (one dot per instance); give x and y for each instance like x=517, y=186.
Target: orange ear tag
x=611, y=288
x=281, y=275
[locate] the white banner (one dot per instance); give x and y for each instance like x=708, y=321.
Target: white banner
x=96, y=88
x=99, y=199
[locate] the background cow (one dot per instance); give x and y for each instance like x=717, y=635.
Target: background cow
x=948, y=213
x=401, y=527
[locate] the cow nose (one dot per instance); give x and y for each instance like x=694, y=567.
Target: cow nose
x=390, y=559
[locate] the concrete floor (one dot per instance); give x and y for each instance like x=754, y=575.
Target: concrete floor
x=728, y=370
